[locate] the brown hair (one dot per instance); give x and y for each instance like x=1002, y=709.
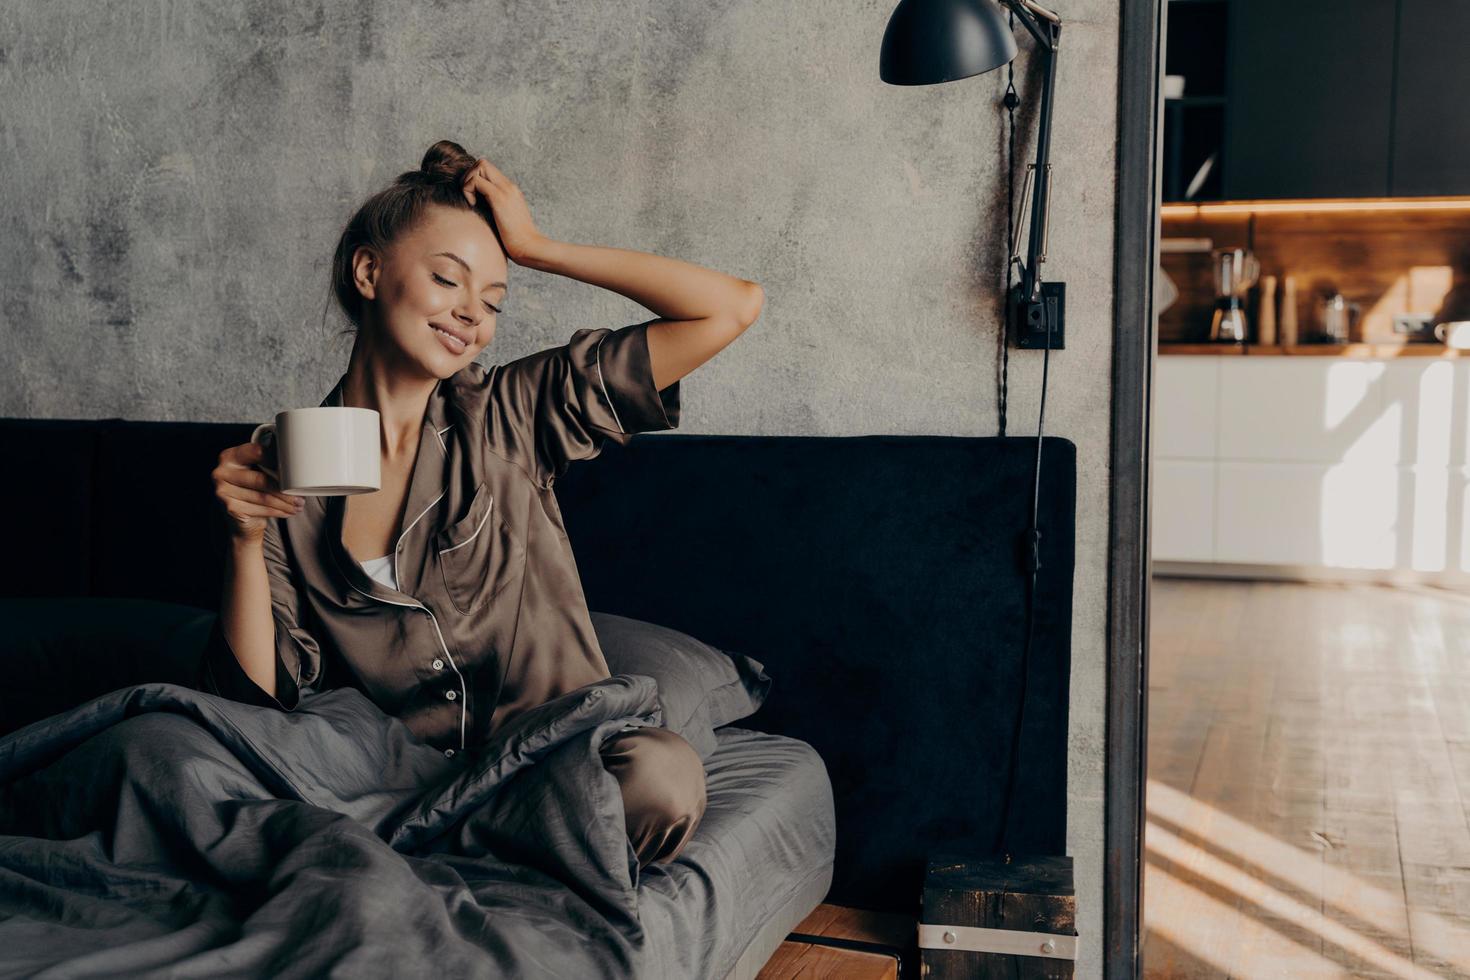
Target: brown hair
x=395, y=210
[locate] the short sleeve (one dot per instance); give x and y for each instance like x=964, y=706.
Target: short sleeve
x=558, y=405
x=298, y=654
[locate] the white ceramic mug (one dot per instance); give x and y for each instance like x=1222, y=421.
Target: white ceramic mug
x=1453, y=333
x=324, y=451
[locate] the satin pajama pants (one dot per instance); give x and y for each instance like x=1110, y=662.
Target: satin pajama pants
x=662, y=781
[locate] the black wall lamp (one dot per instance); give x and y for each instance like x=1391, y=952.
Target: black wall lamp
x=930, y=41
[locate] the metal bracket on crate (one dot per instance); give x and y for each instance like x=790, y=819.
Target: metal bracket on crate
x=973, y=939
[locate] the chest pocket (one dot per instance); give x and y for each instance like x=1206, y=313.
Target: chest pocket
x=479, y=557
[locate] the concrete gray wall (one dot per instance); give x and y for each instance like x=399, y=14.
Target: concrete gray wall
x=176, y=175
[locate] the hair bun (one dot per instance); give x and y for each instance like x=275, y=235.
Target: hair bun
x=447, y=159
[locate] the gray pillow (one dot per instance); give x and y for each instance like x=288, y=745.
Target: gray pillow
x=699, y=686
x=62, y=651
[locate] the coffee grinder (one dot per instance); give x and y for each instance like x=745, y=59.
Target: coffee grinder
x=1236, y=270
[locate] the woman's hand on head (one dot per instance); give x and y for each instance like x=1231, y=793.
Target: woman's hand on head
x=249, y=495
x=518, y=232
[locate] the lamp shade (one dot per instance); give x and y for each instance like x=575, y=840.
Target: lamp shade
x=930, y=41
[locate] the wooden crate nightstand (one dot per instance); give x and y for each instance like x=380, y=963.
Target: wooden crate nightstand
x=984, y=919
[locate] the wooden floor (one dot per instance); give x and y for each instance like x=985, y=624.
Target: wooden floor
x=1309, y=770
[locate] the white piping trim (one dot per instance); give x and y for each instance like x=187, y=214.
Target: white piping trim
x=399, y=542
x=597, y=356
x=477, y=529
x=463, y=693
x=439, y=434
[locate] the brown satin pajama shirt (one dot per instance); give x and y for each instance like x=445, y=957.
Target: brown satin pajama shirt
x=489, y=618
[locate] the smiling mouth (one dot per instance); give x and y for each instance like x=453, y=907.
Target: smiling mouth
x=455, y=343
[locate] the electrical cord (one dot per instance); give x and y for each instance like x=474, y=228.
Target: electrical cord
x=1031, y=558
x=1010, y=102
x=1032, y=564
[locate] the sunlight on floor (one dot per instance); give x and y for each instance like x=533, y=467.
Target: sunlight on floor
x=1185, y=880
x=1308, y=808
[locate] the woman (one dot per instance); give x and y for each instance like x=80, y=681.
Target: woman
x=450, y=597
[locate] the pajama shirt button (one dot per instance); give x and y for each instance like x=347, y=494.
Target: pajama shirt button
x=438, y=664
x=450, y=695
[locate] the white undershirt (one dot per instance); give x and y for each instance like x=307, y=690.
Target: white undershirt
x=382, y=570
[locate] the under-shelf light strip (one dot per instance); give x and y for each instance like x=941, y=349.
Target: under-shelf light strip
x=1304, y=207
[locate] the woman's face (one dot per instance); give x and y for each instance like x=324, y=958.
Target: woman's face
x=446, y=276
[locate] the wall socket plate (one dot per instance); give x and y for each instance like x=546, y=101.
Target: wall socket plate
x=1414, y=324
x=1029, y=336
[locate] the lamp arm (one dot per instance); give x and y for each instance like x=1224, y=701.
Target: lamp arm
x=1028, y=12
x=1041, y=185
x=1042, y=12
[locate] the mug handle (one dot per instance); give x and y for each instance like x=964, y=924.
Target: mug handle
x=1439, y=332
x=265, y=428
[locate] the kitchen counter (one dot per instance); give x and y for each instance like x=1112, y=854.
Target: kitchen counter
x=1369, y=352
x=1347, y=466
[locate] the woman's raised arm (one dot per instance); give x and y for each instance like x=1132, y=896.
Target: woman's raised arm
x=701, y=310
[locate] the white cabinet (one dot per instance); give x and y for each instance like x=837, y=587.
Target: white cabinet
x=1186, y=396
x=1184, y=510
x=1312, y=463
x=1337, y=516
x=1304, y=409
x=1185, y=438
x=1430, y=400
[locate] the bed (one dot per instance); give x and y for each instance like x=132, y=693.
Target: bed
x=874, y=576
x=209, y=838
x=759, y=862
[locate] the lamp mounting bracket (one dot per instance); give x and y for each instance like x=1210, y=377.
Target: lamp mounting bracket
x=1034, y=307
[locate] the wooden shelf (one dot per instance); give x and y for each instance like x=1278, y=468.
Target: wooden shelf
x=1211, y=350
x=1367, y=352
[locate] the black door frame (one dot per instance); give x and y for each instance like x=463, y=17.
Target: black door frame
x=1140, y=34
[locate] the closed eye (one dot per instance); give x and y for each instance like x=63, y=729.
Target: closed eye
x=445, y=282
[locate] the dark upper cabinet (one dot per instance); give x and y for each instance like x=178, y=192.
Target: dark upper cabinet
x=1431, y=124
x=1194, y=124
x=1310, y=98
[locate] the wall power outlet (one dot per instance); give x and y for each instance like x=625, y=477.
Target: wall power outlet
x=1414, y=324
x=1029, y=320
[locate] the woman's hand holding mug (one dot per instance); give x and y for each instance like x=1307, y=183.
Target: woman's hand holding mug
x=250, y=494
x=326, y=451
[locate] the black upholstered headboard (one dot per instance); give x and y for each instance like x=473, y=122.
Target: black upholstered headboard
x=878, y=580
x=876, y=577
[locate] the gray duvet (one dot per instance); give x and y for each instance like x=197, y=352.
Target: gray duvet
x=163, y=830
